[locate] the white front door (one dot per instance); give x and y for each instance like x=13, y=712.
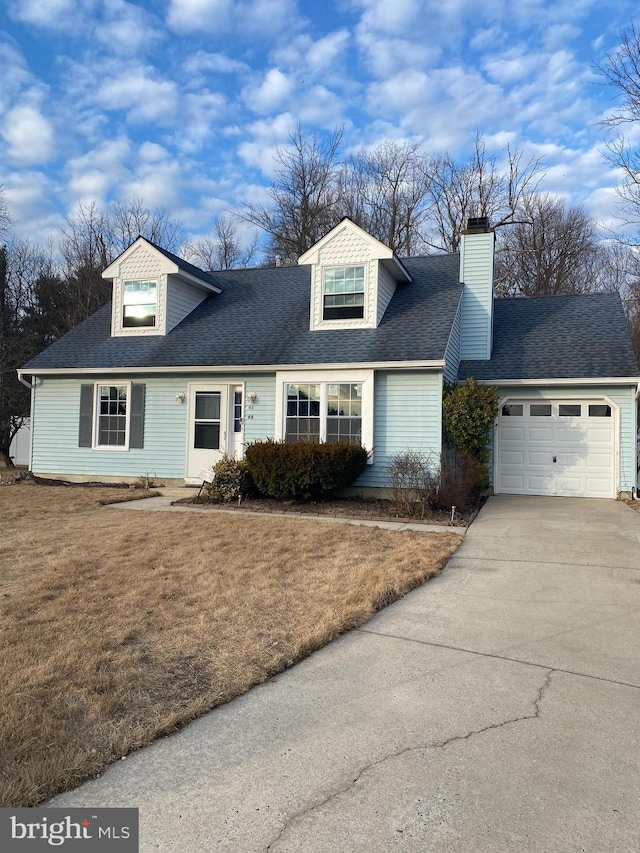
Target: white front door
x=208, y=428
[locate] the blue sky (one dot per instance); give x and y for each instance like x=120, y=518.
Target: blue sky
x=183, y=102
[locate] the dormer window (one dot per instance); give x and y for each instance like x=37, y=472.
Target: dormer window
x=343, y=293
x=139, y=304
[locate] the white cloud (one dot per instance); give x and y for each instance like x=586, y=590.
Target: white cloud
x=93, y=175
x=261, y=151
x=15, y=75
x=325, y=52
x=320, y=107
x=28, y=134
x=51, y=14
x=31, y=199
x=271, y=93
x=201, y=62
x=158, y=184
x=127, y=29
x=188, y=16
x=139, y=91
x=269, y=21
x=394, y=18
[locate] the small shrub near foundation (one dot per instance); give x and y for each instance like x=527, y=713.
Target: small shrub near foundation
x=232, y=480
x=415, y=479
x=304, y=470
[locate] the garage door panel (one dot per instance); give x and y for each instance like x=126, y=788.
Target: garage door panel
x=538, y=458
x=512, y=457
x=540, y=435
x=510, y=433
x=598, y=435
x=584, y=451
x=572, y=485
x=600, y=461
x=513, y=482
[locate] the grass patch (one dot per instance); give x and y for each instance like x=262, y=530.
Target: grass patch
x=118, y=627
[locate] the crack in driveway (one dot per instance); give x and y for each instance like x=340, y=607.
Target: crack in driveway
x=536, y=709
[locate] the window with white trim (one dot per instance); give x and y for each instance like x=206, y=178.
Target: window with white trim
x=112, y=415
x=343, y=295
x=139, y=304
x=326, y=406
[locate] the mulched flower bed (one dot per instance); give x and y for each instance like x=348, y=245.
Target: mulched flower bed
x=373, y=509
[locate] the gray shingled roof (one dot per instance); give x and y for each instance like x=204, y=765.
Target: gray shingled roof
x=182, y=264
x=262, y=318
x=557, y=337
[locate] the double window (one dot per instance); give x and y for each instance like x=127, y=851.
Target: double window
x=325, y=411
x=325, y=406
x=343, y=297
x=139, y=304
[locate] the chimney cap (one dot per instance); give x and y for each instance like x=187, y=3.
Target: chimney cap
x=477, y=225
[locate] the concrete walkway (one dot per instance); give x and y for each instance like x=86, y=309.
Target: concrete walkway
x=494, y=709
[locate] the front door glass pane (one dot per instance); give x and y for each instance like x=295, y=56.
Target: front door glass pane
x=207, y=405
x=207, y=436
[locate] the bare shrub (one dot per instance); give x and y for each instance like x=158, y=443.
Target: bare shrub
x=462, y=478
x=415, y=480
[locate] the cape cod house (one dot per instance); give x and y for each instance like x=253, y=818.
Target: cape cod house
x=353, y=343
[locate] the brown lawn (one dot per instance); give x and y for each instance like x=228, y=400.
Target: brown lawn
x=117, y=627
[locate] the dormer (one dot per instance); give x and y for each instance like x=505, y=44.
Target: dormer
x=153, y=290
x=353, y=277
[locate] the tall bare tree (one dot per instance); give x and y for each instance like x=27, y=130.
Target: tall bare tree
x=621, y=70
x=19, y=262
x=223, y=249
x=386, y=192
x=476, y=187
x=131, y=218
x=551, y=249
x=304, y=198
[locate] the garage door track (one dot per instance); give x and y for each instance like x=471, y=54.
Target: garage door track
x=494, y=709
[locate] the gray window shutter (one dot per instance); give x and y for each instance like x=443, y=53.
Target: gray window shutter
x=136, y=416
x=85, y=429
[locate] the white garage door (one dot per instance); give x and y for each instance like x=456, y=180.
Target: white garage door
x=551, y=447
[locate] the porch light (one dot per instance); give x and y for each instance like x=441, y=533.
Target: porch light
x=181, y=397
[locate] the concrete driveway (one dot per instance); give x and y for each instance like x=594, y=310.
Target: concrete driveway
x=494, y=709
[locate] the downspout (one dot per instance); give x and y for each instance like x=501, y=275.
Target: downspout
x=24, y=382
x=32, y=389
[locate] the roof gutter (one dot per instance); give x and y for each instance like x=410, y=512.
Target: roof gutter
x=24, y=381
x=436, y=364
x=599, y=380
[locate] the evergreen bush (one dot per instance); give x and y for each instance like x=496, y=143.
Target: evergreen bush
x=304, y=470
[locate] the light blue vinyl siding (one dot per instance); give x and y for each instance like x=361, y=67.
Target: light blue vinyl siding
x=407, y=415
x=476, y=271
x=55, y=426
x=260, y=417
x=182, y=298
x=386, y=289
x=452, y=352
x=622, y=396
x=55, y=443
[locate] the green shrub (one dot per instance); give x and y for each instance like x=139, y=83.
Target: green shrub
x=304, y=471
x=232, y=480
x=468, y=411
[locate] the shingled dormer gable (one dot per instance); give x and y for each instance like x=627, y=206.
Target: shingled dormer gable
x=353, y=278
x=153, y=290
